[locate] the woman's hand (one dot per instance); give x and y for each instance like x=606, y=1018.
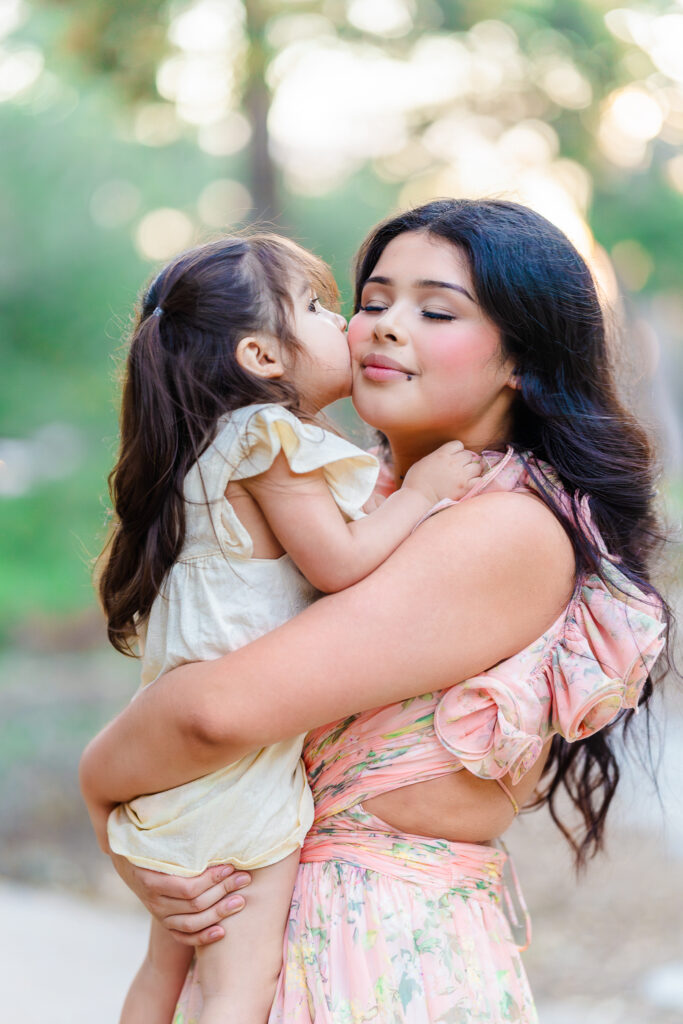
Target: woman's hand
x=191, y=908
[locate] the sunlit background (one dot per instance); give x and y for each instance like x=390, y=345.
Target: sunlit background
x=130, y=131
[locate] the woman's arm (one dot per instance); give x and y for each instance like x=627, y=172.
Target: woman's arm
x=473, y=585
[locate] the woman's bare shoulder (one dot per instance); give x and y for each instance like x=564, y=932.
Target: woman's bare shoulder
x=518, y=521
x=506, y=549
x=522, y=522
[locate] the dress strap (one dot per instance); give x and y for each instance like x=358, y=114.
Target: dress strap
x=509, y=795
x=514, y=904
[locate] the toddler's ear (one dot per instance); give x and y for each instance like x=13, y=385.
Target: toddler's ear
x=260, y=355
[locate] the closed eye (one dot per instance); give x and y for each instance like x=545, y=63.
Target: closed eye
x=370, y=308
x=437, y=316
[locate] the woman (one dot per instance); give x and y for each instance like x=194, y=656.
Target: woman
x=476, y=321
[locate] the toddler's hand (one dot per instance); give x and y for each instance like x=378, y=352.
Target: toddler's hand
x=446, y=473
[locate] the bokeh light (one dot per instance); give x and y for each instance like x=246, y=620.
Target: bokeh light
x=665, y=45
x=631, y=117
x=12, y=14
x=223, y=203
x=114, y=203
x=20, y=67
x=633, y=262
x=156, y=124
x=565, y=84
x=201, y=79
x=224, y=137
x=387, y=18
x=674, y=171
x=162, y=233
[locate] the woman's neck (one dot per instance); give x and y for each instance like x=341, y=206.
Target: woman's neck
x=406, y=451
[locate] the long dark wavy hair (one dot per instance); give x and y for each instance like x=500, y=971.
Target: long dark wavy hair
x=181, y=376
x=531, y=282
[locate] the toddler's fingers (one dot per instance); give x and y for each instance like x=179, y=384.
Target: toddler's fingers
x=449, y=448
x=460, y=453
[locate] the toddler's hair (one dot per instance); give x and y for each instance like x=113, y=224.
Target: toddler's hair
x=181, y=376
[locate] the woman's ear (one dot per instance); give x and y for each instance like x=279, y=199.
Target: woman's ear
x=260, y=355
x=514, y=381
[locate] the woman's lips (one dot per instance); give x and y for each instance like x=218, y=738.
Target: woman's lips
x=381, y=368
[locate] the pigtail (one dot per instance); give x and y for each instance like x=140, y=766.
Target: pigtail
x=145, y=486
x=182, y=376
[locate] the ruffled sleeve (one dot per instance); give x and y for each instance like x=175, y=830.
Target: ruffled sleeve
x=592, y=662
x=247, y=443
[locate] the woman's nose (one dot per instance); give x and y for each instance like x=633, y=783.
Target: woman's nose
x=386, y=329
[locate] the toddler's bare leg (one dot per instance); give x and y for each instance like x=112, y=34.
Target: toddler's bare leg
x=238, y=974
x=153, y=995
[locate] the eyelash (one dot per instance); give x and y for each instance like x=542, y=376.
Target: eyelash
x=425, y=313
x=312, y=304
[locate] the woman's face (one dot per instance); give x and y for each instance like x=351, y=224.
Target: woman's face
x=427, y=363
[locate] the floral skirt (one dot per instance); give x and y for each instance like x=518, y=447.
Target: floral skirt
x=394, y=929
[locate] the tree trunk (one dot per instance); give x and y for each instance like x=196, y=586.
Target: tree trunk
x=262, y=174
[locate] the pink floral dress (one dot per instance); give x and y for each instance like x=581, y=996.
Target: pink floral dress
x=392, y=928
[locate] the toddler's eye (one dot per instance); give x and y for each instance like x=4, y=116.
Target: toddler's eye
x=313, y=304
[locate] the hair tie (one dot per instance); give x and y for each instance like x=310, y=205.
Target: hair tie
x=157, y=312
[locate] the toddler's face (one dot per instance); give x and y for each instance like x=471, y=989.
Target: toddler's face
x=322, y=369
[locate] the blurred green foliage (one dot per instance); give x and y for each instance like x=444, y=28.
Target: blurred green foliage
x=68, y=286
x=67, y=292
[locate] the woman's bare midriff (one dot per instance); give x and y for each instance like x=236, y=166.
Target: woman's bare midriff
x=458, y=807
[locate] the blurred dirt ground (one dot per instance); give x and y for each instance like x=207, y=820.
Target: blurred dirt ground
x=607, y=948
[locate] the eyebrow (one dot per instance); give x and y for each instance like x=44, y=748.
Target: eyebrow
x=424, y=283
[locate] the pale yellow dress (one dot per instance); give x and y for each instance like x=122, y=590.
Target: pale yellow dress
x=216, y=598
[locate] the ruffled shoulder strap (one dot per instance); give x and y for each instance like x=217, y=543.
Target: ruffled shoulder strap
x=589, y=665
x=247, y=443
x=504, y=471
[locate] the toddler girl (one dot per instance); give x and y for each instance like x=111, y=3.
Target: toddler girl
x=234, y=508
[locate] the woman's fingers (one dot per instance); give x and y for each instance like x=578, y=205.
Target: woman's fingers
x=191, y=926
x=218, y=881
x=169, y=906
x=171, y=895
x=204, y=938
x=179, y=888
x=211, y=896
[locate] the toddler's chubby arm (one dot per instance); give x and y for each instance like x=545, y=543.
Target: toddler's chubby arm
x=332, y=553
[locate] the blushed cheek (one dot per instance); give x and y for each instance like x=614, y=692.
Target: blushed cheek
x=356, y=333
x=469, y=351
